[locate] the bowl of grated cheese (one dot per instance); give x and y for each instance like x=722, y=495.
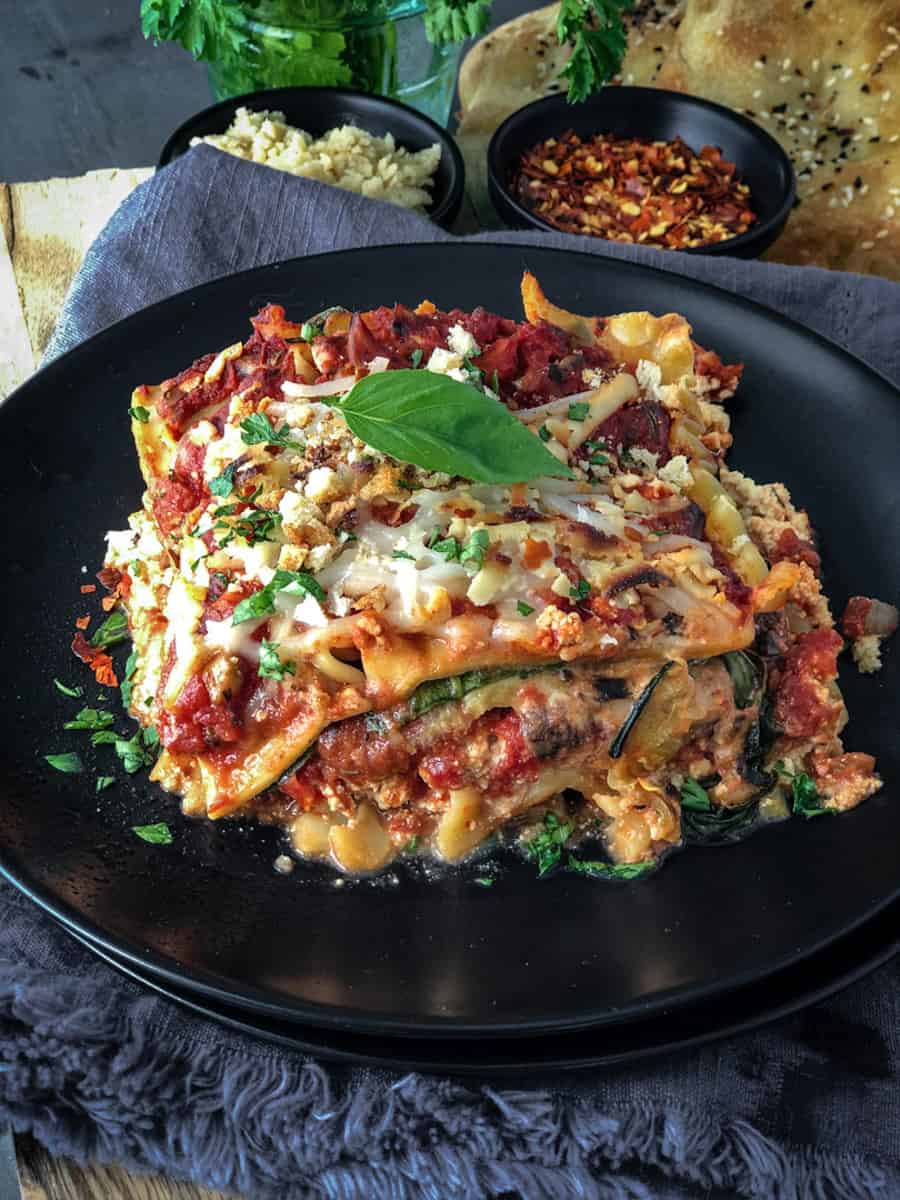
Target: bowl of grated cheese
x=366, y=144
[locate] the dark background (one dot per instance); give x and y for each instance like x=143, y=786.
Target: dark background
x=80, y=88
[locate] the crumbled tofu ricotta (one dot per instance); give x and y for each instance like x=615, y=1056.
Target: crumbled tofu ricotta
x=461, y=342
x=677, y=473
x=446, y=362
x=644, y=458
x=649, y=377
x=867, y=653
x=321, y=484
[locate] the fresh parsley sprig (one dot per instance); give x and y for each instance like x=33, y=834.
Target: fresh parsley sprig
x=545, y=847
x=596, y=32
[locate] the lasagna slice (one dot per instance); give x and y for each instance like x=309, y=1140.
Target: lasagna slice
x=376, y=655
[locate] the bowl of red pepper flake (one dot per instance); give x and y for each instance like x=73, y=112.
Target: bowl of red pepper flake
x=643, y=166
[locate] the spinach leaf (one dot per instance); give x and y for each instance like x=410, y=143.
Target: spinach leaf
x=606, y=870
x=718, y=824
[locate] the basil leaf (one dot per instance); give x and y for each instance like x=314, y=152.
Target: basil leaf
x=69, y=764
x=113, y=630
x=440, y=424
x=157, y=835
x=606, y=870
x=75, y=692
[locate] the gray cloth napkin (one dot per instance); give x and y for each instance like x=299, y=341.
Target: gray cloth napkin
x=99, y=1068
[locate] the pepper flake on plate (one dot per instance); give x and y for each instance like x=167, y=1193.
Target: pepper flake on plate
x=630, y=190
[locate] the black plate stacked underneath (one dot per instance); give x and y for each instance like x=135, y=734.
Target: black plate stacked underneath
x=409, y=956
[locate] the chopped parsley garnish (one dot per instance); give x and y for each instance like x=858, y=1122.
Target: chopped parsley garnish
x=271, y=666
x=472, y=552
x=579, y=410
x=607, y=870
x=544, y=433
x=806, y=800
x=545, y=848
x=694, y=797
x=222, y=484
x=140, y=413
x=484, y=881
x=135, y=752
x=449, y=546
x=416, y=357
x=157, y=835
x=69, y=764
x=581, y=590
x=91, y=719
x=104, y=782
x=75, y=692
x=411, y=845
x=113, y=630
x=495, y=383
x=197, y=561
x=255, y=525
x=261, y=603
x=523, y=609
x=403, y=554
x=310, y=330
x=257, y=430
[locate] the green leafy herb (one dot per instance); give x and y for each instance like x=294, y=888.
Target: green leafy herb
x=455, y=20
x=136, y=752
x=606, y=870
x=523, y=609
x=403, y=554
x=104, y=782
x=91, y=719
x=257, y=430
x=694, y=798
x=69, y=764
x=157, y=835
x=440, y=424
x=271, y=666
x=484, y=881
x=140, y=413
x=806, y=800
x=596, y=32
x=75, y=692
x=222, y=484
x=416, y=357
x=544, y=433
x=441, y=691
x=495, y=383
x=718, y=824
x=310, y=330
x=411, y=845
x=618, y=742
x=578, y=411
x=748, y=676
x=472, y=552
x=581, y=590
x=261, y=603
x=253, y=525
x=448, y=546
x=546, y=847
x=598, y=460
x=113, y=630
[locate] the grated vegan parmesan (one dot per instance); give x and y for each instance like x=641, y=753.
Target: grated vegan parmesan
x=345, y=157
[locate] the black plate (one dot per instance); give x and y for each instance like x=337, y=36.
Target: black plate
x=318, y=109
x=652, y=113
x=441, y=957
x=845, y=961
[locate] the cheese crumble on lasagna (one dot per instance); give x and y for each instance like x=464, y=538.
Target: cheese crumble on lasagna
x=376, y=655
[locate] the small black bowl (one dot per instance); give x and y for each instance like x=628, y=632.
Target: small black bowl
x=654, y=114
x=318, y=109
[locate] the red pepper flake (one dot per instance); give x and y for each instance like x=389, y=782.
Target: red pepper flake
x=82, y=622
x=88, y=588
x=109, y=602
x=98, y=660
x=630, y=190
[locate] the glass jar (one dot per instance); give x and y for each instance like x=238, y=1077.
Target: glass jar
x=373, y=45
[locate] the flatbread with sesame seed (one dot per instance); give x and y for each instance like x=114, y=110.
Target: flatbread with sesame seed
x=823, y=79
